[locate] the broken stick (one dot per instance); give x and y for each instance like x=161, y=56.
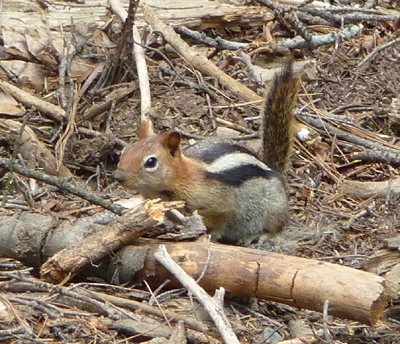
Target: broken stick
x=198, y=61
x=30, y=101
x=214, y=308
x=134, y=223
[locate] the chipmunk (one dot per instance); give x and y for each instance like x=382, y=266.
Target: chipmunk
x=239, y=194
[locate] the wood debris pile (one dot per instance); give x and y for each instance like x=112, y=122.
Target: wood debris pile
x=70, y=100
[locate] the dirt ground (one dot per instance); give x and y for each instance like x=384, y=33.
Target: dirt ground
x=325, y=223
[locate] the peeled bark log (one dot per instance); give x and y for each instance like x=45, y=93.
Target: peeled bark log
x=299, y=282
x=365, y=190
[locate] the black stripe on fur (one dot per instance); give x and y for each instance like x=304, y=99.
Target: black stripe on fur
x=240, y=174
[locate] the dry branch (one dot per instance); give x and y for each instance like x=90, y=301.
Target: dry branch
x=136, y=305
x=356, y=136
x=212, y=306
x=365, y=62
x=133, y=224
x=339, y=19
x=218, y=43
x=62, y=184
x=112, y=313
x=286, y=12
x=140, y=59
x=317, y=40
x=132, y=327
x=198, y=61
x=295, y=43
x=115, y=96
x=364, y=190
x=369, y=156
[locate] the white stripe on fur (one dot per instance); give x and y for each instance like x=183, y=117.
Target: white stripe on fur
x=233, y=160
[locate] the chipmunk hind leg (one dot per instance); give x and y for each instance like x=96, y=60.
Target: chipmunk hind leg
x=264, y=210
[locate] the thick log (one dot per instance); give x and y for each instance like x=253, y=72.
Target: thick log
x=365, y=190
x=299, y=282
x=93, y=14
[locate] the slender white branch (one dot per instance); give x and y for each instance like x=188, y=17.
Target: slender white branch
x=211, y=306
x=140, y=60
x=143, y=76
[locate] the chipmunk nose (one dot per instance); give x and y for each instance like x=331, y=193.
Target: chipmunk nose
x=119, y=176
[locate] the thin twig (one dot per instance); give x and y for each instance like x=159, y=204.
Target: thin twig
x=327, y=335
x=364, y=63
x=62, y=184
x=288, y=13
x=111, y=313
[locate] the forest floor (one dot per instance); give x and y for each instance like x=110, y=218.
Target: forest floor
x=343, y=98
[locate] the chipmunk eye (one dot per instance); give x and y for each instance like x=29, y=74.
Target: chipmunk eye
x=151, y=162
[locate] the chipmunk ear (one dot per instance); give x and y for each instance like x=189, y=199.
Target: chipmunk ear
x=172, y=142
x=146, y=129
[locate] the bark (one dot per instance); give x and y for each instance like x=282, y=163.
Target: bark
x=32, y=238
x=365, y=190
x=133, y=224
x=299, y=282
x=198, y=14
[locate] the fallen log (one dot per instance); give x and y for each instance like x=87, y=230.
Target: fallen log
x=366, y=190
x=299, y=282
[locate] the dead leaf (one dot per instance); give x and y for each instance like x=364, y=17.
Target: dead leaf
x=367, y=43
x=8, y=105
x=6, y=315
x=101, y=40
x=15, y=43
x=30, y=75
x=40, y=45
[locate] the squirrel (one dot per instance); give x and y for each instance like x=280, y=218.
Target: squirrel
x=239, y=194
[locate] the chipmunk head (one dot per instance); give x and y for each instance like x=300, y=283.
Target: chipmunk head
x=148, y=165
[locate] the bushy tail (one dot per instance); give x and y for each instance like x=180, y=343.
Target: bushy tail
x=277, y=116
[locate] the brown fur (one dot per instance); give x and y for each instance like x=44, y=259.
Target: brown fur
x=180, y=177
x=277, y=114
